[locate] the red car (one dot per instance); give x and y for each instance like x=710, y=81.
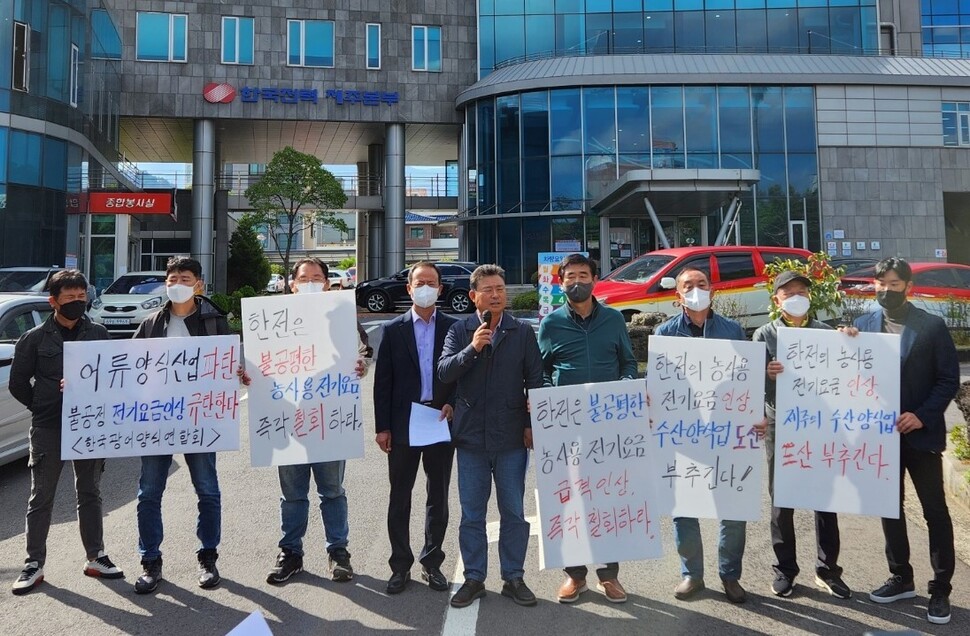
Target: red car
x=942, y=289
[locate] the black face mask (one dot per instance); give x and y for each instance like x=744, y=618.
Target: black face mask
x=72, y=310
x=579, y=292
x=890, y=300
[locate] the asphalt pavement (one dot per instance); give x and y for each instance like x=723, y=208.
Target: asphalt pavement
x=68, y=602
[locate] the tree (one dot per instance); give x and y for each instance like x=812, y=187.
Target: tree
x=247, y=264
x=295, y=193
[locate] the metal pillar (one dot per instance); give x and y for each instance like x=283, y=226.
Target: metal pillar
x=606, y=261
x=375, y=244
x=203, y=194
x=375, y=169
x=656, y=224
x=729, y=220
x=393, y=199
x=362, y=248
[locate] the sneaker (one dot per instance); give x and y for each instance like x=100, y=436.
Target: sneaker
x=340, y=568
x=894, y=589
x=208, y=572
x=467, y=593
x=102, y=567
x=30, y=577
x=287, y=564
x=782, y=585
x=834, y=585
x=150, y=576
x=938, y=611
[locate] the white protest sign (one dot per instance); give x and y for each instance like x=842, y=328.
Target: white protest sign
x=707, y=395
x=836, y=445
x=597, y=503
x=304, y=401
x=150, y=396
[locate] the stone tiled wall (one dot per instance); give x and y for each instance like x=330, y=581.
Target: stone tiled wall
x=175, y=89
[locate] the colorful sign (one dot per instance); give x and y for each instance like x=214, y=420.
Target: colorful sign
x=551, y=295
x=222, y=93
x=120, y=203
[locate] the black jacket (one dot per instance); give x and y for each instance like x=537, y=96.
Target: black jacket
x=206, y=320
x=39, y=355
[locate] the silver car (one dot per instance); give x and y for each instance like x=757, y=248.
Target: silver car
x=18, y=315
x=128, y=301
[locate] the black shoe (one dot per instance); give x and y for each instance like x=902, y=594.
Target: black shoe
x=340, y=568
x=150, y=576
x=467, y=593
x=938, y=611
x=30, y=577
x=895, y=589
x=287, y=564
x=208, y=572
x=436, y=580
x=398, y=582
x=734, y=592
x=782, y=585
x=518, y=591
x=834, y=585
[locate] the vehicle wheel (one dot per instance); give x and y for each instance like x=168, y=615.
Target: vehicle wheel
x=377, y=302
x=459, y=302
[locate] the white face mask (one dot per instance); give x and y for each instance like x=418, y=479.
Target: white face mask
x=180, y=293
x=310, y=288
x=697, y=299
x=424, y=296
x=796, y=306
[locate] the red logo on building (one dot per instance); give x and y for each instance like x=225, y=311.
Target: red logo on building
x=219, y=93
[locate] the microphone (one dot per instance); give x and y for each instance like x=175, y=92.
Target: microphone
x=487, y=320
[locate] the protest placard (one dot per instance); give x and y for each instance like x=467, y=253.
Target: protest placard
x=707, y=395
x=836, y=445
x=597, y=503
x=304, y=401
x=150, y=396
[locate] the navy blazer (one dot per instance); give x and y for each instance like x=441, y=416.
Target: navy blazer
x=930, y=375
x=397, y=378
x=490, y=406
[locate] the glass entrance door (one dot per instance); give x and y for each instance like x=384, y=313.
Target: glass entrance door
x=681, y=231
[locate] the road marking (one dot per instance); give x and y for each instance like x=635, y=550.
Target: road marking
x=464, y=621
x=805, y=616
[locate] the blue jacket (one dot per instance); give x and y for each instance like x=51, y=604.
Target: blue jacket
x=714, y=327
x=490, y=406
x=930, y=374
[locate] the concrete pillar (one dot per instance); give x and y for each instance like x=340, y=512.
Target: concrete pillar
x=219, y=279
x=606, y=263
x=203, y=195
x=363, y=182
x=394, y=199
x=375, y=245
x=375, y=169
x=362, y=250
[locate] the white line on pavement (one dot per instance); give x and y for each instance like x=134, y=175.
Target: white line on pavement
x=801, y=615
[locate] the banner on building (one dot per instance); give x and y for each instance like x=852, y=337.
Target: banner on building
x=551, y=295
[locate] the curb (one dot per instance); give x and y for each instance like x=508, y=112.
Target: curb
x=954, y=479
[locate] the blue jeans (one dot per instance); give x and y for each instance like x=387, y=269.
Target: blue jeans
x=475, y=472
x=730, y=548
x=151, y=487
x=295, y=504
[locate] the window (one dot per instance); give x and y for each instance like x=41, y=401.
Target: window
x=237, y=40
x=310, y=43
x=426, y=48
x=373, y=46
x=417, y=232
x=21, y=56
x=956, y=124
x=161, y=37
x=75, y=64
x=735, y=266
x=936, y=278
x=105, y=41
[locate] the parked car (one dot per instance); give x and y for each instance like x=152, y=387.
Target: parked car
x=18, y=315
x=852, y=264
x=936, y=289
x=34, y=281
x=128, y=301
x=275, y=284
x=352, y=275
x=339, y=279
x=390, y=293
x=647, y=283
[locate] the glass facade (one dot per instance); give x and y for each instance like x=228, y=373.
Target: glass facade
x=513, y=30
x=161, y=37
x=946, y=27
x=533, y=154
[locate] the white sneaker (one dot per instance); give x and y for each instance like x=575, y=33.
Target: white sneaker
x=29, y=578
x=102, y=567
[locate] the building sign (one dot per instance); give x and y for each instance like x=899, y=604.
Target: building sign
x=225, y=93
x=219, y=93
x=120, y=203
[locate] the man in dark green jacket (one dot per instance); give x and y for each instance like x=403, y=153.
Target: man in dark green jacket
x=584, y=341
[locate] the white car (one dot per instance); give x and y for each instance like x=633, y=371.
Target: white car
x=18, y=315
x=128, y=301
x=339, y=279
x=275, y=284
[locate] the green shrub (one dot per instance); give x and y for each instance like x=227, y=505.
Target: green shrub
x=222, y=301
x=961, y=448
x=526, y=301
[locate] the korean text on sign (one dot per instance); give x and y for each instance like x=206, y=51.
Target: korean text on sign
x=707, y=396
x=304, y=400
x=153, y=396
x=836, y=445
x=596, y=500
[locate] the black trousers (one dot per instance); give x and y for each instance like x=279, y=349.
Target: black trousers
x=925, y=468
x=402, y=463
x=827, y=541
x=605, y=573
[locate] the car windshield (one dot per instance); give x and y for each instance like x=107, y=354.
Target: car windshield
x=641, y=270
x=29, y=281
x=140, y=284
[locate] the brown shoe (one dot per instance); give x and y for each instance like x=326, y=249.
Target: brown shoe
x=570, y=589
x=688, y=588
x=613, y=591
x=735, y=593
